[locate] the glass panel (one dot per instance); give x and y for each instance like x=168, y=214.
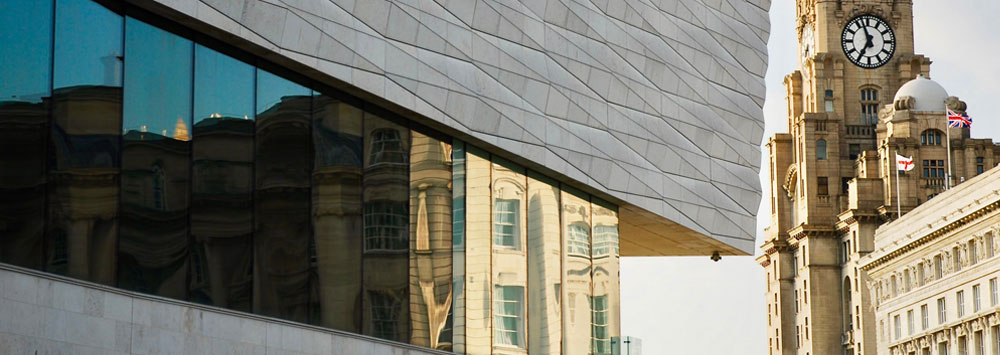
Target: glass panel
x=386, y=225
x=478, y=284
x=85, y=150
x=153, y=245
x=458, y=246
x=510, y=274
x=606, y=306
x=430, y=242
x=544, y=266
x=26, y=34
x=284, y=256
x=221, y=214
x=577, y=289
x=337, y=211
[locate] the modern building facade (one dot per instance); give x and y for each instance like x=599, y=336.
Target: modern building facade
x=933, y=274
x=456, y=176
x=861, y=96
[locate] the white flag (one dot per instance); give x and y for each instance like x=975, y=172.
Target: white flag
x=904, y=163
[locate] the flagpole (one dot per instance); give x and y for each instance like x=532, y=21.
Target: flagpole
x=947, y=130
x=899, y=208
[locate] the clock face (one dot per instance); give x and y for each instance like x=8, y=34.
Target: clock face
x=868, y=41
x=808, y=42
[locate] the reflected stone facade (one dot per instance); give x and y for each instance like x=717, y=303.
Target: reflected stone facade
x=465, y=182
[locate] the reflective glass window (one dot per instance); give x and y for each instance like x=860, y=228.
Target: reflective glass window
x=458, y=244
x=222, y=173
x=505, y=217
x=508, y=316
x=283, y=251
x=26, y=34
x=25, y=64
x=544, y=266
x=430, y=241
x=85, y=149
x=510, y=273
x=386, y=200
x=478, y=254
x=337, y=214
x=156, y=153
x=606, y=311
x=577, y=279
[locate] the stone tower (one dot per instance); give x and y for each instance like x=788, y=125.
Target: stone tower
x=831, y=177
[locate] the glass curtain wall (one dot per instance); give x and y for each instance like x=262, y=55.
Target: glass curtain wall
x=153, y=245
x=85, y=142
x=26, y=34
x=188, y=173
x=336, y=212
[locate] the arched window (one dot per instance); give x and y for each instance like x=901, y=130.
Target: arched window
x=930, y=137
x=821, y=149
x=869, y=106
x=386, y=147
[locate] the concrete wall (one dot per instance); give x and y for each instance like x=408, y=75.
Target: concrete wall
x=47, y=314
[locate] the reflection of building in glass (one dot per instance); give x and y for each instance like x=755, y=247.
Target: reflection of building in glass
x=141, y=154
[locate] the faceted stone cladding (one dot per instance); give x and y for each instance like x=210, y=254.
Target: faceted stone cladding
x=656, y=103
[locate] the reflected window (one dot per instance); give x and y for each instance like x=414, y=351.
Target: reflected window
x=385, y=312
x=605, y=240
x=385, y=226
x=505, y=218
x=386, y=147
x=601, y=340
x=508, y=315
x=578, y=240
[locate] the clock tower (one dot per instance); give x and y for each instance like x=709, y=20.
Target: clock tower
x=853, y=57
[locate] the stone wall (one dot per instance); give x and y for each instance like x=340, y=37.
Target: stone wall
x=47, y=314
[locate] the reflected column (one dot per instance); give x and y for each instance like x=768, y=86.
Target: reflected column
x=576, y=290
x=282, y=245
x=222, y=173
x=458, y=246
x=478, y=253
x=430, y=241
x=386, y=229
x=156, y=158
x=85, y=150
x=544, y=266
x=336, y=198
x=25, y=56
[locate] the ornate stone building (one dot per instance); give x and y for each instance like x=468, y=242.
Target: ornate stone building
x=933, y=274
x=860, y=96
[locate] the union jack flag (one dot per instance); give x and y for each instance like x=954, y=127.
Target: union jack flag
x=961, y=120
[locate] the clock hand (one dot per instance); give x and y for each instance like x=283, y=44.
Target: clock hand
x=868, y=39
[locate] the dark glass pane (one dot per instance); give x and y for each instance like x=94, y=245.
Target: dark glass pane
x=386, y=224
x=85, y=151
x=430, y=241
x=457, y=318
x=156, y=158
x=336, y=198
x=221, y=209
x=25, y=56
x=25, y=43
x=283, y=258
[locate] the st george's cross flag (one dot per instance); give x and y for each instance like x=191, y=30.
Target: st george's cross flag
x=904, y=163
x=960, y=120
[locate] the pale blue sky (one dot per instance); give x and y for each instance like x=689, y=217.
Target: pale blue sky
x=694, y=306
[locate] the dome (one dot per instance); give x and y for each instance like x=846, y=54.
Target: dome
x=927, y=94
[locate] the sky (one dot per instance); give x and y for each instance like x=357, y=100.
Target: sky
x=692, y=305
